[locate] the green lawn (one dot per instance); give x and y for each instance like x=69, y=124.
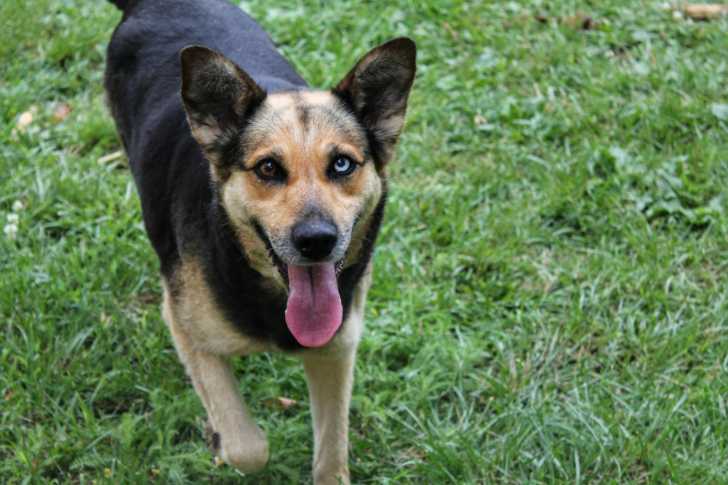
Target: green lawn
x=551, y=286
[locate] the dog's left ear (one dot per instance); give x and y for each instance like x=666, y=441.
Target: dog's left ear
x=377, y=89
x=217, y=96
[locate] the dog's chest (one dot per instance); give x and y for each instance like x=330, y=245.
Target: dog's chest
x=195, y=308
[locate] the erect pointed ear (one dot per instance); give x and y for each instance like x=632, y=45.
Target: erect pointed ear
x=377, y=89
x=217, y=96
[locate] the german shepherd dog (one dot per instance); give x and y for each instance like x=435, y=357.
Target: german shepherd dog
x=262, y=199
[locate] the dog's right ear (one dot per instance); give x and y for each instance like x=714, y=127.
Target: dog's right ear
x=217, y=95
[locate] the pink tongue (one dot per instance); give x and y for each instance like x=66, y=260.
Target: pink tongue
x=314, y=309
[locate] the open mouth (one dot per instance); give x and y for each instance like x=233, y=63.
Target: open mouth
x=280, y=265
x=314, y=311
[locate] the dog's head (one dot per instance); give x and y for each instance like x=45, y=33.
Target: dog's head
x=300, y=173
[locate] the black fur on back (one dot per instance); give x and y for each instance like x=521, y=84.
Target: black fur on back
x=121, y=4
x=181, y=210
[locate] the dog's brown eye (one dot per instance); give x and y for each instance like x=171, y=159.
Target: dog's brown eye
x=341, y=166
x=270, y=171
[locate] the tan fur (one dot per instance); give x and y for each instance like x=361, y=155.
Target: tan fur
x=245, y=446
x=198, y=316
x=274, y=188
x=304, y=144
x=203, y=337
x=305, y=149
x=330, y=377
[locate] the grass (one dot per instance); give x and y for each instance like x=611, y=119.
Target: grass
x=551, y=294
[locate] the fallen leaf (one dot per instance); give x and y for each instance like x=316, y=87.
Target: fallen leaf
x=286, y=402
x=281, y=402
x=704, y=11
x=61, y=112
x=580, y=21
x=451, y=31
x=112, y=158
x=518, y=20
x=24, y=120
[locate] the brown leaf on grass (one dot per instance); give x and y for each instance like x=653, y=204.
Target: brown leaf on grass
x=286, y=403
x=451, y=31
x=61, y=112
x=281, y=402
x=24, y=120
x=704, y=11
x=520, y=20
x=578, y=21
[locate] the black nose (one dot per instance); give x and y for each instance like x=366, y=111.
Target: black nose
x=314, y=239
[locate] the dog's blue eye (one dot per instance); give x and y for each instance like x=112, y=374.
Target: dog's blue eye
x=342, y=166
x=270, y=171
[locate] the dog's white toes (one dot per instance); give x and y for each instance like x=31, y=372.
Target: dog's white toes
x=247, y=453
x=247, y=456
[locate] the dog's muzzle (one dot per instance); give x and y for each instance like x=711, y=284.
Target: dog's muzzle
x=314, y=238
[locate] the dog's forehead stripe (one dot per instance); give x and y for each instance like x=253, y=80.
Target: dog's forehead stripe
x=303, y=116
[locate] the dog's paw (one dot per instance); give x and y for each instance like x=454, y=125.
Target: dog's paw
x=247, y=455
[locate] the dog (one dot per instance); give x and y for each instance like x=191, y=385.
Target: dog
x=262, y=198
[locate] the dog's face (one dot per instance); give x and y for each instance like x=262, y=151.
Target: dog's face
x=306, y=181
x=300, y=174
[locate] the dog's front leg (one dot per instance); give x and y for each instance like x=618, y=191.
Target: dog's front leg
x=236, y=438
x=329, y=383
